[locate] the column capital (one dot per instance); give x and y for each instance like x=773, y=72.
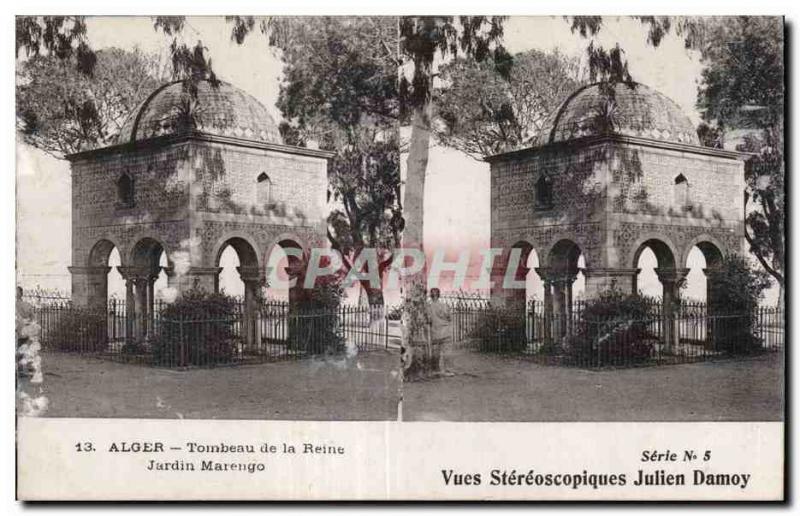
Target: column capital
x=671, y=274
x=710, y=272
x=609, y=272
x=135, y=273
x=250, y=273
x=203, y=271
x=74, y=269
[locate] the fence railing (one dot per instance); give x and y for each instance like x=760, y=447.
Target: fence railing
x=689, y=333
x=273, y=331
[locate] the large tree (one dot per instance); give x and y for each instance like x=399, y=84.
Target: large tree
x=339, y=88
x=741, y=91
x=481, y=112
x=62, y=110
x=422, y=40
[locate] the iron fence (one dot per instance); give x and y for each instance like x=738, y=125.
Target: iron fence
x=690, y=333
x=272, y=331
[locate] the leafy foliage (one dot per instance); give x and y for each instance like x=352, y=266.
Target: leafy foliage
x=62, y=37
x=613, y=329
x=500, y=329
x=484, y=113
x=197, y=329
x=340, y=89
x=734, y=295
x=61, y=110
x=742, y=88
x=737, y=287
x=314, y=325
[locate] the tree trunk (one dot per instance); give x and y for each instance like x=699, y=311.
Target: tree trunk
x=416, y=356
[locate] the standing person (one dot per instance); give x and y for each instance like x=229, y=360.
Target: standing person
x=440, y=331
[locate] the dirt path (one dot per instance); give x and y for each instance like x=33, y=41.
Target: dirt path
x=363, y=388
x=490, y=388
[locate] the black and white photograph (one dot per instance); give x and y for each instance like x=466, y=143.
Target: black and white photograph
x=426, y=221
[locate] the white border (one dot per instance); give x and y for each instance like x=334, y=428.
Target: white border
x=773, y=7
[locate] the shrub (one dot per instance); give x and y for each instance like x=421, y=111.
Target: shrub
x=613, y=329
x=734, y=295
x=77, y=330
x=500, y=329
x=314, y=325
x=197, y=329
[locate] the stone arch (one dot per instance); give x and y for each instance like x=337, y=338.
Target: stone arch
x=713, y=250
x=146, y=252
x=101, y=250
x=244, y=245
x=523, y=268
x=563, y=255
x=661, y=245
x=295, y=266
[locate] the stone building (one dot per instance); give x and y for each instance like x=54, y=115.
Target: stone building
x=617, y=169
x=192, y=172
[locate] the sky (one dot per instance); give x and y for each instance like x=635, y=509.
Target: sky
x=43, y=253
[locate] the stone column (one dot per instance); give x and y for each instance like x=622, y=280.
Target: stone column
x=671, y=279
x=136, y=312
x=251, y=322
x=90, y=286
x=151, y=302
x=547, y=280
x=568, y=280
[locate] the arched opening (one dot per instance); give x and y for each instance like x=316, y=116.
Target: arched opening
x=654, y=258
x=282, y=268
x=702, y=261
x=116, y=283
x=230, y=281
x=142, y=279
x=543, y=193
x=105, y=280
x=125, y=190
x=696, y=281
x=241, y=277
x=681, y=194
x=263, y=190
x=563, y=269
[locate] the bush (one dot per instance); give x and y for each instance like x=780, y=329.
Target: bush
x=500, y=329
x=613, y=329
x=734, y=295
x=314, y=325
x=76, y=329
x=197, y=329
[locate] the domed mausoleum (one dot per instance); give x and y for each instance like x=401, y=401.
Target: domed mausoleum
x=618, y=168
x=195, y=168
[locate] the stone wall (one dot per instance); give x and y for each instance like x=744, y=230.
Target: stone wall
x=609, y=197
x=193, y=195
x=159, y=210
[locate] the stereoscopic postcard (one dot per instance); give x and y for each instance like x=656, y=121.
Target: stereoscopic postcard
x=400, y=258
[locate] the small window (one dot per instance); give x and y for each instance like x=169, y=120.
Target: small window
x=125, y=190
x=544, y=193
x=681, y=191
x=263, y=190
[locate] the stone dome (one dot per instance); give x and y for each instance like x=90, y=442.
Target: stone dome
x=624, y=108
x=221, y=110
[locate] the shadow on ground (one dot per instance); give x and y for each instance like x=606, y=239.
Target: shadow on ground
x=491, y=388
x=365, y=387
